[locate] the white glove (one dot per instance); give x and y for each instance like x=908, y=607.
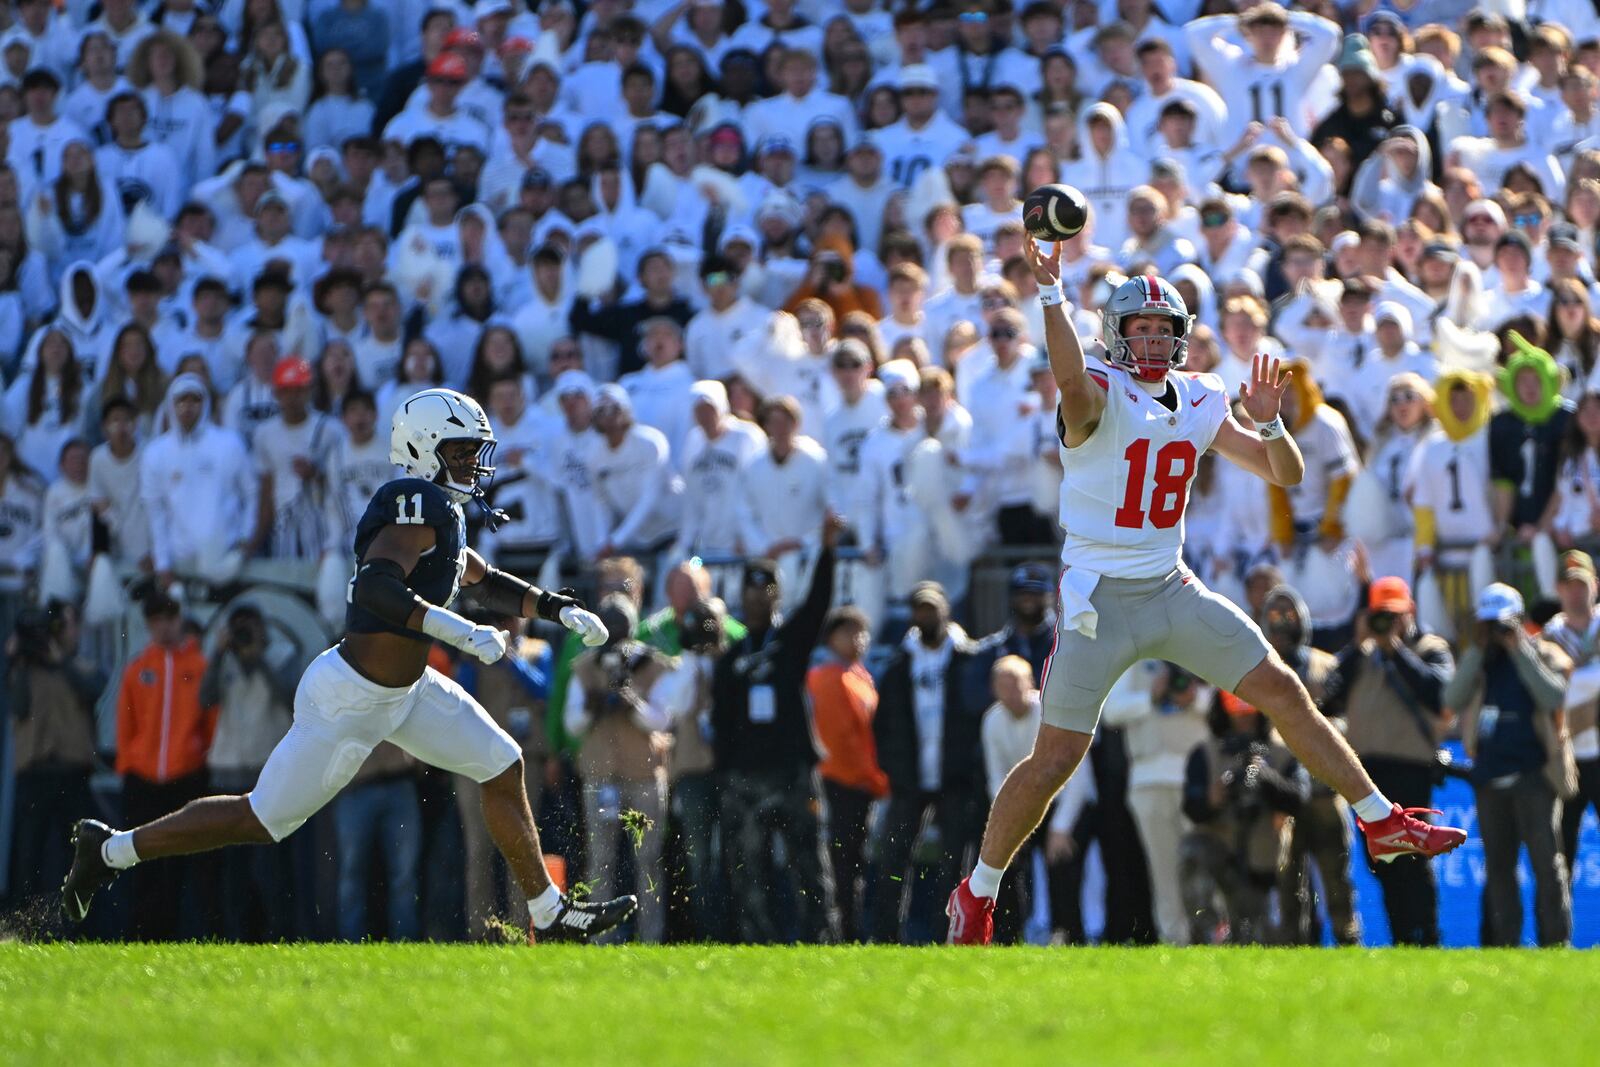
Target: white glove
x=484, y=643
x=586, y=624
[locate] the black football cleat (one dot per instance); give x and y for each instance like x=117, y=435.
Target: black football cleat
x=584, y=920
x=90, y=873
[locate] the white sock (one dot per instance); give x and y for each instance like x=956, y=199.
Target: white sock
x=1375, y=808
x=985, y=880
x=544, y=908
x=117, y=851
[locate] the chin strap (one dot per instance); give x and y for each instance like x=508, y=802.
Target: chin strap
x=492, y=516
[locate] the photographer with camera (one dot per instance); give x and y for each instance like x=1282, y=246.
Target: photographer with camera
x=1509, y=689
x=1388, y=685
x=612, y=708
x=255, y=701
x=1241, y=787
x=1322, y=829
x=695, y=627
x=52, y=698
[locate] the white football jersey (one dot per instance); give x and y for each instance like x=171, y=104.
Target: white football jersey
x=1452, y=478
x=1125, y=489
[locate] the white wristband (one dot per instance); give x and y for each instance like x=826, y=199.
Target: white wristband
x=1051, y=295
x=1271, y=431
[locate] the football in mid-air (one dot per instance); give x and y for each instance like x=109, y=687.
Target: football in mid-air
x=1055, y=212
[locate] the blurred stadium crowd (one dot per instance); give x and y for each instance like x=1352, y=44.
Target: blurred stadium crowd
x=719, y=270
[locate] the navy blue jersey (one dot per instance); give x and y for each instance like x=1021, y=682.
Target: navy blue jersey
x=437, y=576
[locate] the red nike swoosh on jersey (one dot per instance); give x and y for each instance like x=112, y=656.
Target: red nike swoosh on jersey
x=1197, y=403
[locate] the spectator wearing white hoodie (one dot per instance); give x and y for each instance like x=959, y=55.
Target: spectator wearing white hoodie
x=640, y=496
x=661, y=390
x=861, y=409
x=782, y=491
x=196, y=460
x=715, y=451
x=1107, y=171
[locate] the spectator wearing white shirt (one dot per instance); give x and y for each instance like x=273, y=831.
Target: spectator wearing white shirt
x=1507, y=145
x=1511, y=289
x=39, y=134
x=1258, y=69
x=1150, y=239
x=1008, y=730
x=1159, y=66
x=1010, y=138
x=377, y=353
x=1161, y=713
x=999, y=460
x=195, y=460
x=718, y=329
x=251, y=401
x=1226, y=248
x=801, y=103
x=715, y=452
x=861, y=408
x=639, y=495
x=924, y=137
x=1366, y=391
x=782, y=491
x=114, y=484
x=998, y=203
x=527, y=484
x=661, y=390
x=961, y=302
x=291, y=452
x=908, y=288
x=864, y=190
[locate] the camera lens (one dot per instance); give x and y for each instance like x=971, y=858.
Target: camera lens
x=1381, y=622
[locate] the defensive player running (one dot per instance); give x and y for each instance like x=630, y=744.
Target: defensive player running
x=1131, y=435
x=376, y=684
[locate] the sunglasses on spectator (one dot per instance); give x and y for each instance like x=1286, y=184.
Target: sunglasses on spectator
x=717, y=277
x=994, y=303
x=848, y=363
x=284, y=146
x=1525, y=220
x=974, y=16
x=1002, y=333
x=1213, y=218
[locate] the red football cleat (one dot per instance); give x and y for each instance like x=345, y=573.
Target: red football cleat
x=1403, y=834
x=971, y=916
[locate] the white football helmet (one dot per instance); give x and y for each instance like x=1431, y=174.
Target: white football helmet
x=427, y=421
x=1146, y=358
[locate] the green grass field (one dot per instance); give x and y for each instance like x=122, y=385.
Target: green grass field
x=859, y=1007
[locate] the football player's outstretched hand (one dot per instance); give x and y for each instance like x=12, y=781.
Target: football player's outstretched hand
x=1263, y=393
x=586, y=624
x=1046, y=269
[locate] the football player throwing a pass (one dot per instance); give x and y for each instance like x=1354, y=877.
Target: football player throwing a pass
x=376, y=685
x=1131, y=436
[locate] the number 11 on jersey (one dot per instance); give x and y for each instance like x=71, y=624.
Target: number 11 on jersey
x=1169, y=484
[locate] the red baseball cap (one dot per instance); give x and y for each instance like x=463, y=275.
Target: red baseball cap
x=449, y=66
x=461, y=37
x=292, y=372
x=1234, y=706
x=1389, y=594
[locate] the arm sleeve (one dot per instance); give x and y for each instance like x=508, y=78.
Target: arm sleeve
x=601, y=320
x=1425, y=673
x=994, y=763
x=1337, y=688
x=1284, y=791
x=155, y=506
x=1319, y=42
x=1464, y=683
x=211, y=682
x=1213, y=56
x=1544, y=680
x=804, y=628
